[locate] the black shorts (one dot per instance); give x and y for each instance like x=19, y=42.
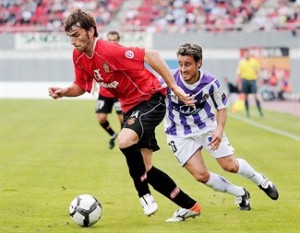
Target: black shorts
x=249, y=86
x=105, y=105
x=144, y=118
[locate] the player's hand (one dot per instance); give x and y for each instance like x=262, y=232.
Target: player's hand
x=184, y=97
x=215, y=140
x=56, y=92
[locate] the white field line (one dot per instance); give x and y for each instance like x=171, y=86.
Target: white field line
x=267, y=128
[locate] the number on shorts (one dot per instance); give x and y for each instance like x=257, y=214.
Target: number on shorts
x=173, y=146
x=100, y=104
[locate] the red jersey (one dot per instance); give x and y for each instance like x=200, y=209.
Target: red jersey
x=120, y=70
x=106, y=93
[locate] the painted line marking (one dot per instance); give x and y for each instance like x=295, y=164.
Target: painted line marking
x=267, y=128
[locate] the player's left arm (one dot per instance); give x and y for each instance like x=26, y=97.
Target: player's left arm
x=221, y=117
x=221, y=102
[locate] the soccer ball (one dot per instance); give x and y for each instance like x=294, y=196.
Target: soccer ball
x=85, y=210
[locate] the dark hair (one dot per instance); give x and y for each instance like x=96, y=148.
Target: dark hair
x=193, y=50
x=80, y=18
x=113, y=33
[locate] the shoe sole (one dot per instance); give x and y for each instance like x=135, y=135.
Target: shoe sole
x=178, y=219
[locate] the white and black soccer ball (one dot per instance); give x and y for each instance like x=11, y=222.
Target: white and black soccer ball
x=85, y=210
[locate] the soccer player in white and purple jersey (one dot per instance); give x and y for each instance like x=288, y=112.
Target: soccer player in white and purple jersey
x=191, y=128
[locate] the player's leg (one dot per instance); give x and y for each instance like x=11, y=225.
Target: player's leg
x=120, y=117
x=139, y=123
x=225, y=157
x=245, y=92
x=165, y=185
x=195, y=165
x=243, y=168
x=119, y=112
x=153, y=114
x=188, y=152
x=253, y=90
x=128, y=140
x=103, y=108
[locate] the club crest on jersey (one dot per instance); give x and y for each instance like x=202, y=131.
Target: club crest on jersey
x=129, y=54
x=205, y=97
x=105, y=67
x=97, y=75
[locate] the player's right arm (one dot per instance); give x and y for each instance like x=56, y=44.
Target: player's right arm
x=153, y=59
x=71, y=91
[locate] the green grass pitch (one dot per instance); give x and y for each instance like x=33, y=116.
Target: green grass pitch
x=52, y=151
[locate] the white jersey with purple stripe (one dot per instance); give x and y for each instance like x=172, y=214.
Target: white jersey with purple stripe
x=183, y=120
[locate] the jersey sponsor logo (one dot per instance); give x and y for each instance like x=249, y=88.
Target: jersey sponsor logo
x=113, y=84
x=129, y=54
x=97, y=75
x=188, y=110
x=105, y=67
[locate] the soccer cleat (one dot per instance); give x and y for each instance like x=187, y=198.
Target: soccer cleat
x=149, y=205
x=269, y=188
x=182, y=214
x=243, y=201
x=112, y=141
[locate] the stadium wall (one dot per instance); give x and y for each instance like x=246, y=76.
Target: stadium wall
x=38, y=57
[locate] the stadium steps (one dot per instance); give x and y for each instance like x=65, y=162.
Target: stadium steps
x=116, y=22
x=265, y=7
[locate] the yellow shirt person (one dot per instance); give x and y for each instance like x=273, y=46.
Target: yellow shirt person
x=249, y=69
x=248, y=73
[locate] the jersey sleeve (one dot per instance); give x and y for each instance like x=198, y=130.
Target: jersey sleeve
x=125, y=58
x=219, y=97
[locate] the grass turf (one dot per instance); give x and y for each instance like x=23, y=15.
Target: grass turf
x=52, y=151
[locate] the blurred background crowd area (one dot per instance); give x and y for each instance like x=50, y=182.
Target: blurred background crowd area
x=171, y=16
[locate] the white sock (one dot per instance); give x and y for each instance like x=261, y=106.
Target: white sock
x=248, y=172
x=219, y=183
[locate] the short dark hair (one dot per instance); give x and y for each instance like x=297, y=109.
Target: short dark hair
x=193, y=50
x=113, y=33
x=81, y=18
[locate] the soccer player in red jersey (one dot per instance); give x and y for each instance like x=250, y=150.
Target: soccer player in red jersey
x=106, y=101
x=121, y=70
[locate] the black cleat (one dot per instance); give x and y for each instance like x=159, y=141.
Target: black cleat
x=269, y=188
x=243, y=201
x=112, y=141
